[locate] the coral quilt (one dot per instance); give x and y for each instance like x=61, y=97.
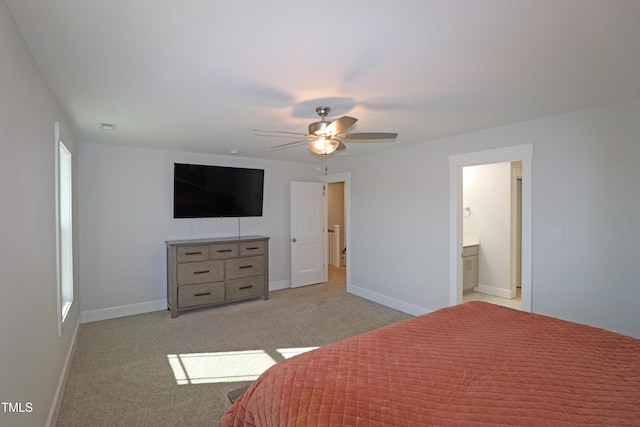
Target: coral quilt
x=473, y=364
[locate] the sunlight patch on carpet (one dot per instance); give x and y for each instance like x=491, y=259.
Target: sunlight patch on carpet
x=226, y=367
x=290, y=352
x=230, y=366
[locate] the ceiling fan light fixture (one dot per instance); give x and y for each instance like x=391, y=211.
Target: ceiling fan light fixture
x=323, y=146
x=325, y=138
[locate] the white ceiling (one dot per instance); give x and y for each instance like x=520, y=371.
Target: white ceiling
x=200, y=75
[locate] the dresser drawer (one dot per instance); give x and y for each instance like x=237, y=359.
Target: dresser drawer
x=245, y=287
x=253, y=248
x=200, y=294
x=213, y=271
x=192, y=253
x=223, y=250
x=244, y=267
x=200, y=272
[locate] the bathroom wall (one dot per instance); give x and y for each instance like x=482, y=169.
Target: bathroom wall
x=487, y=192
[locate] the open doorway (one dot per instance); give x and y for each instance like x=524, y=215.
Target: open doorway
x=338, y=228
x=491, y=232
x=336, y=248
x=523, y=153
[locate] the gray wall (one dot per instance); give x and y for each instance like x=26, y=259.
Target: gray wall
x=33, y=357
x=126, y=214
x=585, y=175
x=585, y=178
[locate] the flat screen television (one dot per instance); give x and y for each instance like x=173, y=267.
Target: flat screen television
x=201, y=191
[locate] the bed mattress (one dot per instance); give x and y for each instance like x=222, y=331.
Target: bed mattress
x=472, y=364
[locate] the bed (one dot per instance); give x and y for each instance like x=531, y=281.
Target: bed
x=472, y=364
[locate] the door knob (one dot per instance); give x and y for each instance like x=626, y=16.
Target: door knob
x=294, y=240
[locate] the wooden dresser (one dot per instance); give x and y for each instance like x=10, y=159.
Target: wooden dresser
x=207, y=272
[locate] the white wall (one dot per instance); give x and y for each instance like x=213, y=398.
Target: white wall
x=585, y=175
x=487, y=192
x=33, y=358
x=126, y=214
x=399, y=227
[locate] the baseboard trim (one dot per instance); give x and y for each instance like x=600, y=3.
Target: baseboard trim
x=52, y=419
x=279, y=285
x=149, y=306
x=123, y=310
x=492, y=290
x=387, y=301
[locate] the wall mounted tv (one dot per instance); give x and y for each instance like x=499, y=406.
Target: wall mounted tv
x=201, y=191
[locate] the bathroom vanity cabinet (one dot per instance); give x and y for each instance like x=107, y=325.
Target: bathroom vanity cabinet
x=470, y=267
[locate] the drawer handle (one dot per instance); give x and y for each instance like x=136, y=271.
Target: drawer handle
x=223, y=250
x=246, y=287
x=203, y=294
x=201, y=272
x=253, y=248
x=193, y=253
x=242, y=267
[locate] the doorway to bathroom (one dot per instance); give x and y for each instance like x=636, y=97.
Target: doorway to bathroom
x=457, y=163
x=491, y=233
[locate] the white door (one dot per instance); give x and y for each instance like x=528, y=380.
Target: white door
x=308, y=234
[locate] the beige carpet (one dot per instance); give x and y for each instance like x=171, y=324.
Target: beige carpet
x=126, y=371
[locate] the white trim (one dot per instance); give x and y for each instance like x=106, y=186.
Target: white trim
x=62, y=381
x=499, y=155
x=123, y=310
x=66, y=239
x=62, y=271
x=492, y=290
x=455, y=231
x=149, y=306
x=387, y=301
x=279, y=285
x=56, y=138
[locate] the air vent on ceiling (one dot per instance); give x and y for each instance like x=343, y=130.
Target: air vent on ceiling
x=107, y=126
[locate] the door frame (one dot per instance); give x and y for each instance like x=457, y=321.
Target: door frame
x=499, y=155
x=344, y=177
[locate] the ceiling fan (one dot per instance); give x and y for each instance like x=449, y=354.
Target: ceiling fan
x=326, y=137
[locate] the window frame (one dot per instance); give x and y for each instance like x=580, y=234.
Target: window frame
x=64, y=228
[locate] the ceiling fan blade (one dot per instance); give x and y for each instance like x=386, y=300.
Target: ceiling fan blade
x=267, y=135
x=279, y=131
x=340, y=125
x=289, y=145
x=369, y=135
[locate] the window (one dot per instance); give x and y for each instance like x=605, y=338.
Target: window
x=64, y=232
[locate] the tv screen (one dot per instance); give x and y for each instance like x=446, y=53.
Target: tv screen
x=201, y=191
